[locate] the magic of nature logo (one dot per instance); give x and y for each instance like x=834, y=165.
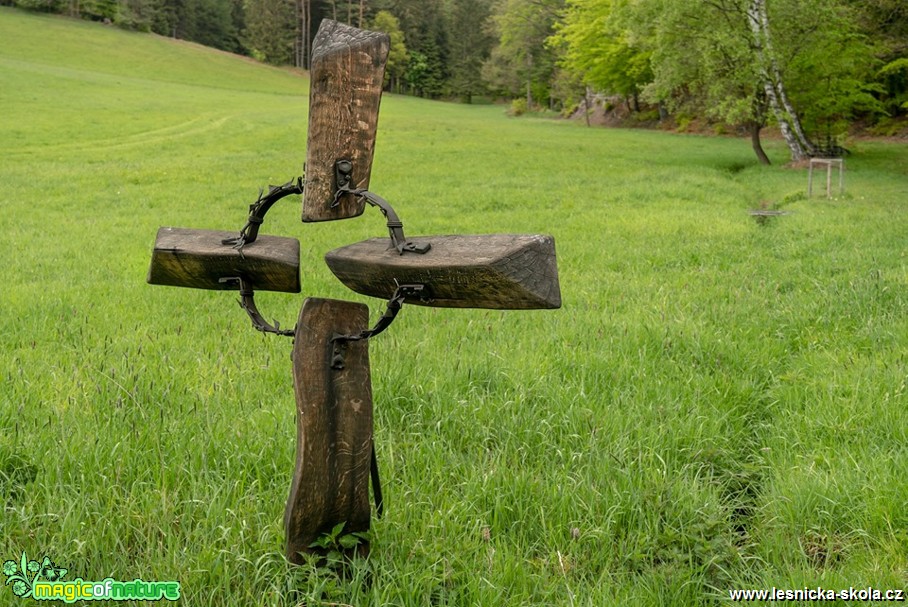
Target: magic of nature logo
x=45, y=581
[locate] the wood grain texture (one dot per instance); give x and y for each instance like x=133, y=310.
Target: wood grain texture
x=346, y=77
x=334, y=427
x=198, y=259
x=500, y=271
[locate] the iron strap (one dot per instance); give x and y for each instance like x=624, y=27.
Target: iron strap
x=401, y=293
x=343, y=178
x=247, y=302
x=376, y=484
x=257, y=211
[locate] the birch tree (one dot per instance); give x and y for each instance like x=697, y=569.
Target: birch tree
x=745, y=63
x=773, y=84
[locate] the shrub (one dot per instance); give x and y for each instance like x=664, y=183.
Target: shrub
x=518, y=107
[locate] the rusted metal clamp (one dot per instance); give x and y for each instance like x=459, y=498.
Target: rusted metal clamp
x=261, y=206
x=343, y=179
x=401, y=294
x=247, y=302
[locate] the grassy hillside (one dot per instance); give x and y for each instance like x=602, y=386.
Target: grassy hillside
x=719, y=404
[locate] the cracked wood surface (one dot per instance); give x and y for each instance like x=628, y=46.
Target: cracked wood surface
x=499, y=271
x=345, y=82
x=334, y=427
x=198, y=258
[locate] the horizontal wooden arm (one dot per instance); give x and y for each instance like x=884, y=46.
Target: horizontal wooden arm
x=499, y=271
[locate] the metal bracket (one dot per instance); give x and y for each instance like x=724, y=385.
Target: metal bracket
x=401, y=294
x=247, y=302
x=343, y=176
x=258, y=209
x=343, y=170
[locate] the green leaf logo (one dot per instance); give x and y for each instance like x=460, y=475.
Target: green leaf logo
x=17, y=575
x=21, y=576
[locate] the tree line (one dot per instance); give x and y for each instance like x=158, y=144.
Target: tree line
x=810, y=67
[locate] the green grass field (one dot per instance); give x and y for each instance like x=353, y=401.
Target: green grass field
x=719, y=404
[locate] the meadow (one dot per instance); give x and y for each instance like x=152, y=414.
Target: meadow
x=719, y=404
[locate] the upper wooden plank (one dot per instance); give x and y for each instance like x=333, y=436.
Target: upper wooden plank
x=198, y=259
x=346, y=77
x=499, y=271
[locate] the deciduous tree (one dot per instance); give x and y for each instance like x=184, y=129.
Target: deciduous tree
x=521, y=61
x=398, y=56
x=602, y=49
x=738, y=61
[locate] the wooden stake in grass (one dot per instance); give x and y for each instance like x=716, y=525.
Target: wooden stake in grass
x=333, y=390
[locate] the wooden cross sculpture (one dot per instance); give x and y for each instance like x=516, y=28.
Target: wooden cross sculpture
x=335, y=456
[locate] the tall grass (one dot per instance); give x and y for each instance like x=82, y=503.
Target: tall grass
x=719, y=404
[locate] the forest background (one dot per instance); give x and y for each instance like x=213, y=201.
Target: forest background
x=818, y=70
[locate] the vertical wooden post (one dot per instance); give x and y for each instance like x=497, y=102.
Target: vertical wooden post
x=333, y=390
x=842, y=177
x=810, y=179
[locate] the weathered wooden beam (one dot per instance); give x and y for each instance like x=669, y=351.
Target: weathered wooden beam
x=345, y=82
x=334, y=427
x=500, y=271
x=199, y=259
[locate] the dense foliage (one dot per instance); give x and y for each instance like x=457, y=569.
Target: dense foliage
x=813, y=68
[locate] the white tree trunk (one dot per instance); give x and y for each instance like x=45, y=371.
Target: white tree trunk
x=529, y=81
x=777, y=79
x=785, y=114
